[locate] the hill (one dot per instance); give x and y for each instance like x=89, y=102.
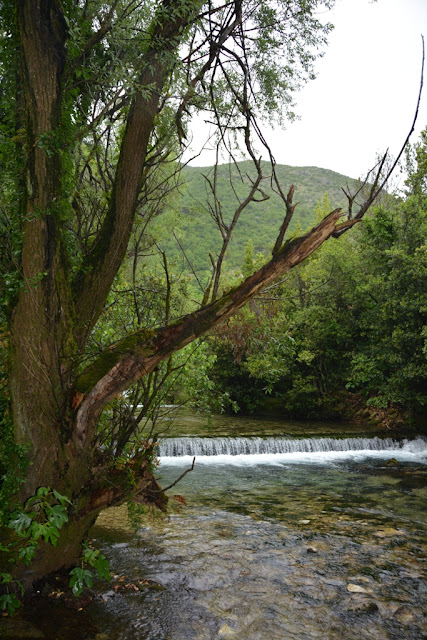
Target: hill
x=260, y=221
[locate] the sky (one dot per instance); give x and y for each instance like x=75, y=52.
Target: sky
x=364, y=97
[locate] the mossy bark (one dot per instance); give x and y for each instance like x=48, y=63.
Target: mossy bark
x=53, y=316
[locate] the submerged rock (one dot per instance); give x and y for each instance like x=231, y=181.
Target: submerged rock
x=226, y=631
x=355, y=588
x=388, y=531
x=404, y=614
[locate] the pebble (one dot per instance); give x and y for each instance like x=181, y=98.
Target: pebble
x=355, y=588
x=364, y=608
x=304, y=521
x=404, y=614
x=388, y=531
x=226, y=631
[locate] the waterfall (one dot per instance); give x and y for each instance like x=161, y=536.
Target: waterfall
x=187, y=446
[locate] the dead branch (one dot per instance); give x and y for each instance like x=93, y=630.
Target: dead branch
x=178, y=479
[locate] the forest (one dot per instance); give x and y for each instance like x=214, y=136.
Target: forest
x=344, y=334
x=130, y=281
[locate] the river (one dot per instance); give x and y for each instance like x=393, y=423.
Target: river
x=289, y=533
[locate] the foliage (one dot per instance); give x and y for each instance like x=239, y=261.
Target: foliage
x=13, y=459
x=82, y=577
x=353, y=316
x=40, y=519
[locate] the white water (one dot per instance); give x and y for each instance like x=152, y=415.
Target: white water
x=249, y=451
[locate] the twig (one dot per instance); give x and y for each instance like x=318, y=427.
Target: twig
x=177, y=480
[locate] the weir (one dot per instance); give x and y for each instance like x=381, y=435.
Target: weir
x=187, y=446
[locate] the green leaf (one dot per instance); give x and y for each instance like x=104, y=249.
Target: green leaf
x=10, y=602
x=62, y=499
x=20, y=523
x=57, y=515
x=38, y=530
x=6, y=578
x=103, y=567
x=80, y=578
x=51, y=535
x=26, y=554
x=42, y=492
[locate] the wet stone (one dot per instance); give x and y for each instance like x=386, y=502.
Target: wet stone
x=355, y=588
x=404, y=614
x=364, y=608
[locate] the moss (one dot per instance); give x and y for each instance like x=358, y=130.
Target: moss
x=139, y=344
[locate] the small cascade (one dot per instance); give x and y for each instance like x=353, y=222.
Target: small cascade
x=186, y=446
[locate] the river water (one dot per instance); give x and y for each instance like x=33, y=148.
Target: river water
x=289, y=533
x=283, y=537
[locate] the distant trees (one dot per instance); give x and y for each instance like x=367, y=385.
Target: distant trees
x=351, y=317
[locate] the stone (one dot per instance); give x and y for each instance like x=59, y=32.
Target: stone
x=312, y=550
x=404, y=614
x=303, y=521
x=388, y=531
x=226, y=631
x=355, y=588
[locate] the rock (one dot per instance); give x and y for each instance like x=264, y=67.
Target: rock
x=303, y=521
x=362, y=579
x=364, y=608
x=17, y=629
x=312, y=550
x=404, y=614
x=355, y=588
x=388, y=531
x=226, y=631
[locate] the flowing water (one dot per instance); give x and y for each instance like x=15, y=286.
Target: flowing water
x=284, y=537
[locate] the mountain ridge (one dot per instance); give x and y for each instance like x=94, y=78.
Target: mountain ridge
x=260, y=221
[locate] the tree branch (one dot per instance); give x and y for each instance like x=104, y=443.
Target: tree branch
x=138, y=354
x=99, y=268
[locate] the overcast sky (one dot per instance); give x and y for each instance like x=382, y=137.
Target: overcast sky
x=363, y=99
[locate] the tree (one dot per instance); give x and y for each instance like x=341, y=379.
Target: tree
x=389, y=359
x=95, y=100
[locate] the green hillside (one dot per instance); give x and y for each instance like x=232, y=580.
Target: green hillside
x=259, y=221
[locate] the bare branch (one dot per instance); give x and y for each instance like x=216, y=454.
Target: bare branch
x=180, y=478
x=290, y=208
